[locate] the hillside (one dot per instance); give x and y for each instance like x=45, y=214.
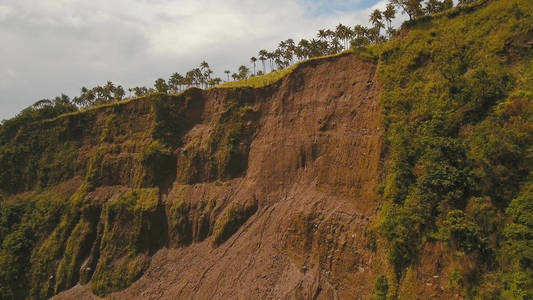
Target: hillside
x=400, y=171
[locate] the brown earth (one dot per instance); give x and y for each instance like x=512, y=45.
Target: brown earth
x=311, y=177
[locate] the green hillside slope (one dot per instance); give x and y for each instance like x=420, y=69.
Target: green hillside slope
x=458, y=106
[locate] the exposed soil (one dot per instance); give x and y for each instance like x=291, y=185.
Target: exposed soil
x=313, y=171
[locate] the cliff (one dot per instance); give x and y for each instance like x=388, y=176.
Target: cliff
x=276, y=184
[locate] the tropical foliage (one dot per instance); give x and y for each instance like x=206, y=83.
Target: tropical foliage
x=457, y=103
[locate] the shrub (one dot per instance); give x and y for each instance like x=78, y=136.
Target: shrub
x=463, y=233
x=382, y=288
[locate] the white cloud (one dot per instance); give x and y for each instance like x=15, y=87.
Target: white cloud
x=5, y=11
x=58, y=46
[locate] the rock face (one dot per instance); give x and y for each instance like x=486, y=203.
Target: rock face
x=312, y=172
x=264, y=193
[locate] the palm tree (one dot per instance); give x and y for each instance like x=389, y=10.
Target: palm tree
x=140, y=91
x=336, y=46
x=282, y=45
x=174, y=82
x=253, y=60
x=243, y=72
x=322, y=35
x=191, y=78
x=330, y=34
x=262, y=57
x=277, y=55
x=207, y=76
x=216, y=80
x=118, y=93
x=288, y=55
x=360, y=33
x=227, y=73
x=270, y=56
x=290, y=50
x=204, y=65
x=303, y=49
x=198, y=77
x=314, y=48
x=389, y=14
x=349, y=35
x=43, y=103
x=161, y=85
x=376, y=19
x=342, y=33
x=204, y=73
x=108, y=89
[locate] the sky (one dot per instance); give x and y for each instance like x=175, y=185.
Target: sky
x=49, y=47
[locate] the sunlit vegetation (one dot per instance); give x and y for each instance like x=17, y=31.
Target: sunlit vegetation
x=458, y=112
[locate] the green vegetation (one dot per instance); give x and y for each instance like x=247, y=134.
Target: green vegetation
x=132, y=230
x=47, y=235
x=261, y=80
x=39, y=154
x=225, y=153
x=276, y=75
x=517, y=252
x=457, y=113
x=382, y=288
x=99, y=95
x=171, y=120
x=77, y=248
x=462, y=231
x=231, y=220
x=25, y=222
x=159, y=163
x=189, y=220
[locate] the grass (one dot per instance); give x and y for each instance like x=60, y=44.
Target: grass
x=132, y=231
x=275, y=76
x=259, y=81
x=456, y=102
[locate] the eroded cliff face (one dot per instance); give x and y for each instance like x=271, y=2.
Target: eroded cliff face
x=224, y=194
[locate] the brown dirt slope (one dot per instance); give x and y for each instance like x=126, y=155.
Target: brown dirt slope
x=295, y=223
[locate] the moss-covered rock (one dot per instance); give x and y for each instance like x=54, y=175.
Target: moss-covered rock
x=231, y=220
x=224, y=154
x=133, y=228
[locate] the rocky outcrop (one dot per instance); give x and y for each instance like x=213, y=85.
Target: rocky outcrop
x=244, y=193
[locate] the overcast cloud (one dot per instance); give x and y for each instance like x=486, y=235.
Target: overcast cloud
x=52, y=46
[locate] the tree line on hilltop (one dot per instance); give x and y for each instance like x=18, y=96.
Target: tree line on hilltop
x=288, y=52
